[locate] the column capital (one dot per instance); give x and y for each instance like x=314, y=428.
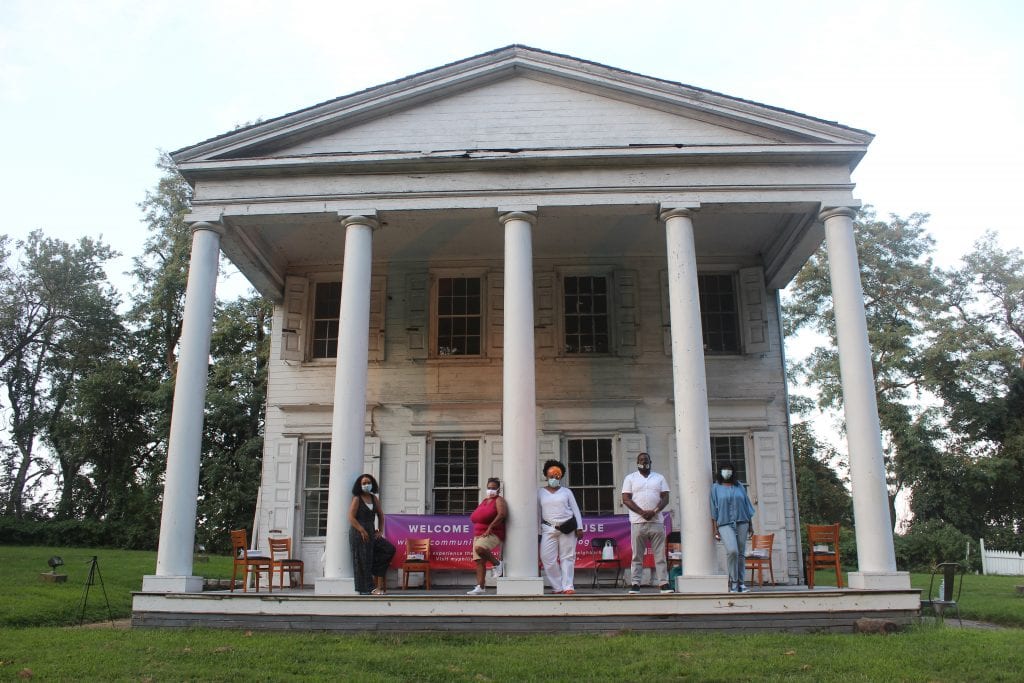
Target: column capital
x=833, y=211
x=359, y=219
x=207, y=225
x=518, y=216
x=668, y=212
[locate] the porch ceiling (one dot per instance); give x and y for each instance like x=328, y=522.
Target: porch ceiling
x=265, y=247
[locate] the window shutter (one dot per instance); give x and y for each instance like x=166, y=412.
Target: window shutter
x=666, y=317
x=549, y=447
x=544, y=306
x=413, y=475
x=378, y=309
x=627, y=318
x=371, y=456
x=630, y=446
x=277, y=495
x=294, y=323
x=754, y=310
x=768, y=497
x=495, y=314
x=416, y=313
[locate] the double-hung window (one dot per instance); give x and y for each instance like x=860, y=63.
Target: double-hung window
x=592, y=475
x=314, y=488
x=719, y=313
x=729, y=449
x=326, y=311
x=459, y=318
x=585, y=314
x=456, y=476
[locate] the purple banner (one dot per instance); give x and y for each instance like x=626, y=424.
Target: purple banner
x=451, y=537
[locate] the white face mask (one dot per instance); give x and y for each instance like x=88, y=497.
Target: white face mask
x=554, y=483
x=726, y=474
x=491, y=493
x=367, y=488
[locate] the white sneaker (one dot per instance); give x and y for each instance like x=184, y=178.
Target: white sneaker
x=498, y=570
x=477, y=590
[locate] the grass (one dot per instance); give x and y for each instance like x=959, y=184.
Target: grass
x=34, y=642
x=921, y=654
x=28, y=601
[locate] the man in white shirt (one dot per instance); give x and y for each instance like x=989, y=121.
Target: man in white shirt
x=645, y=494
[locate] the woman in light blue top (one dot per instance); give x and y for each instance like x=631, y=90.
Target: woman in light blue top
x=731, y=512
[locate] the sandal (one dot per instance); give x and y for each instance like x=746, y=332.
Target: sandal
x=378, y=591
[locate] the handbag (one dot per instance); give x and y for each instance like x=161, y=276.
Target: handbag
x=568, y=526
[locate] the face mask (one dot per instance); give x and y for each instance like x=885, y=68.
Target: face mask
x=554, y=483
x=726, y=474
x=367, y=488
x=491, y=493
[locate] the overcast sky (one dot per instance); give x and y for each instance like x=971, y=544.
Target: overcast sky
x=91, y=90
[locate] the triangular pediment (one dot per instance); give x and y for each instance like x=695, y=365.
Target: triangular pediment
x=518, y=98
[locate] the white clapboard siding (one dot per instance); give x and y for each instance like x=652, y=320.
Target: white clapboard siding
x=522, y=113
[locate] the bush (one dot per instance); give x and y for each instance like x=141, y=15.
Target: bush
x=931, y=542
x=78, y=533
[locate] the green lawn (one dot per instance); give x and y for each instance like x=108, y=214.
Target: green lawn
x=34, y=641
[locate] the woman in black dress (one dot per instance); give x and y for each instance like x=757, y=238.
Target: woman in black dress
x=371, y=552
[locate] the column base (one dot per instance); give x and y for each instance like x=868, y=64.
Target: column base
x=530, y=585
x=714, y=583
x=172, y=584
x=336, y=586
x=879, y=581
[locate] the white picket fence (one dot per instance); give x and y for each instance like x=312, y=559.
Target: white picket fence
x=1001, y=562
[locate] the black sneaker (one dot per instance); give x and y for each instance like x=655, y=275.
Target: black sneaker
x=634, y=589
x=665, y=588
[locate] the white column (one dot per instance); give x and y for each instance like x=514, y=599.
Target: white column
x=181, y=482
x=690, y=390
x=876, y=558
x=348, y=426
x=519, y=412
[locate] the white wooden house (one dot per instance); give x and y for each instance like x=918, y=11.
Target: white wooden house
x=519, y=256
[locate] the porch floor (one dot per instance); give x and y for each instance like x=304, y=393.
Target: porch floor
x=448, y=608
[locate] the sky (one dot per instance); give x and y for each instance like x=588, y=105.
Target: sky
x=90, y=92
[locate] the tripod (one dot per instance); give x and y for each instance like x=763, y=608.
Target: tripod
x=94, y=573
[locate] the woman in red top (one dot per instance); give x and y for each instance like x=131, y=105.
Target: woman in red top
x=488, y=533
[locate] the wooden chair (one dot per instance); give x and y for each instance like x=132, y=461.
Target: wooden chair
x=281, y=560
x=416, y=548
x=760, y=556
x=598, y=545
x=823, y=551
x=254, y=561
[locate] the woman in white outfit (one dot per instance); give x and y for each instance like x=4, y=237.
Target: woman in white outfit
x=561, y=524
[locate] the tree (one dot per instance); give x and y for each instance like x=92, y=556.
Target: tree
x=821, y=494
x=901, y=292
x=233, y=430
x=975, y=364
x=57, y=306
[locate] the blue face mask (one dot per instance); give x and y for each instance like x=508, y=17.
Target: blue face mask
x=554, y=483
x=367, y=488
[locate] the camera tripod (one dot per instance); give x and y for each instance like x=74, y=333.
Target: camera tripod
x=94, y=573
